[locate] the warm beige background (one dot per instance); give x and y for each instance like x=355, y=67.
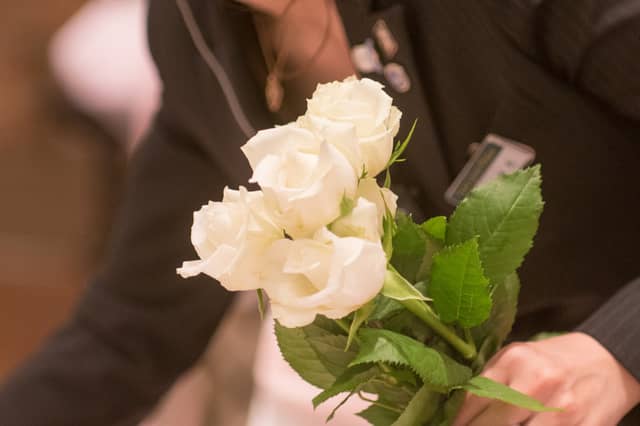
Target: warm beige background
x=59, y=182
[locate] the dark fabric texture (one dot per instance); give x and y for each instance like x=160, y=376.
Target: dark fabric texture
x=615, y=325
x=558, y=75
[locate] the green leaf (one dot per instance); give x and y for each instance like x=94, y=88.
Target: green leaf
x=437, y=370
x=323, y=325
x=393, y=395
x=364, y=173
x=405, y=322
x=359, y=318
x=544, y=335
x=408, y=246
x=459, y=289
x=388, y=226
x=331, y=351
x=396, y=287
x=400, y=147
x=349, y=381
x=412, y=249
x=385, y=307
x=378, y=416
x=397, y=318
x=403, y=375
x=504, y=215
x=420, y=409
x=387, y=179
x=346, y=206
x=421, y=286
x=487, y=388
x=300, y=347
x=260, y=294
x=436, y=227
x=431, y=248
x=490, y=335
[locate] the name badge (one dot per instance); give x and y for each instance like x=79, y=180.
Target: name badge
x=495, y=156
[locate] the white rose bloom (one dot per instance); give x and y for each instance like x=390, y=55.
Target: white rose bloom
x=341, y=135
x=364, y=104
x=366, y=218
x=326, y=275
x=304, y=177
x=361, y=222
x=231, y=238
x=383, y=198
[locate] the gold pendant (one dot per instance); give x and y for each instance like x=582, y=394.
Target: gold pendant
x=273, y=92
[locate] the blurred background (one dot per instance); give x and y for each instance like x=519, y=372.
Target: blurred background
x=60, y=180
x=68, y=122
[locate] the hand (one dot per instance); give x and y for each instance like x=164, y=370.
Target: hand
x=572, y=372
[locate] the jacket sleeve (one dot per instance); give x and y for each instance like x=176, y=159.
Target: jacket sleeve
x=139, y=325
x=590, y=43
x=616, y=325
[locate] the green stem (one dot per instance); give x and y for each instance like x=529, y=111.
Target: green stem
x=469, y=338
x=343, y=325
x=424, y=312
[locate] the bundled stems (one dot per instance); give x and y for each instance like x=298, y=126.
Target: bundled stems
x=424, y=312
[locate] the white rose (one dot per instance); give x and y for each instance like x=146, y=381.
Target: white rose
x=361, y=222
x=366, y=218
x=364, y=104
x=341, y=135
x=326, y=275
x=231, y=238
x=304, y=177
x=383, y=198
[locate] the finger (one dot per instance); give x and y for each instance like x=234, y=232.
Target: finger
x=569, y=416
x=499, y=413
x=541, y=384
x=474, y=405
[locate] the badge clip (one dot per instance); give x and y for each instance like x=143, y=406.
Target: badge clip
x=494, y=157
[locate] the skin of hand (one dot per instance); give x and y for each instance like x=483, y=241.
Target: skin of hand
x=573, y=372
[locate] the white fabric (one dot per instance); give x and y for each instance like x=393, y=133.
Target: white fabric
x=101, y=60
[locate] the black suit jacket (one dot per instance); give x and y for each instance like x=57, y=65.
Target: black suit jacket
x=558, y=75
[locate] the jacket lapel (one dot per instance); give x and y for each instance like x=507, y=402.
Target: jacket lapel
x=425, y=158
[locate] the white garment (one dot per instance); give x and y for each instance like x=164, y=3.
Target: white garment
x=100, y=59
x=282, y=398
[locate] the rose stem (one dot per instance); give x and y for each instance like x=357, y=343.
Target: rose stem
x=424, y=312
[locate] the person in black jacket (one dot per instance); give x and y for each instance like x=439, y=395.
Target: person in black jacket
x=557, y=75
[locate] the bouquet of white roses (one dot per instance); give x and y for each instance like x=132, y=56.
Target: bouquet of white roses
x=367, y=302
